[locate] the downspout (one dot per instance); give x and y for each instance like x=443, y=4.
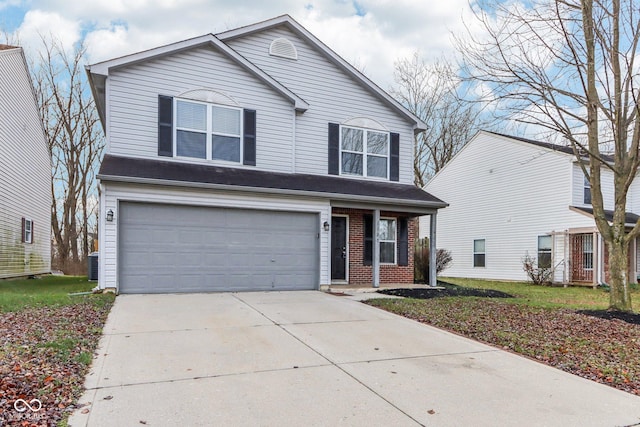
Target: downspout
x=433, y=280
x=567, y=260
x=599, y=261
x=376, y=249
x=634, y=262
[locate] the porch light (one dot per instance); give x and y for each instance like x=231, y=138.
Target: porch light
x=109, y=215
x=325, y=226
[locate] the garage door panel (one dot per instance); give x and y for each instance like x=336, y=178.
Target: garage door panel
x=169, y=248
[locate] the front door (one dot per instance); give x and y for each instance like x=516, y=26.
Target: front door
x=338, y=248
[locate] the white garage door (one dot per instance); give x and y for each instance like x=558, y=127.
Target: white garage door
x=170, y=248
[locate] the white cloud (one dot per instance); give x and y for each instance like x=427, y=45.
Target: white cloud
x=386, y=31
x=38, y=25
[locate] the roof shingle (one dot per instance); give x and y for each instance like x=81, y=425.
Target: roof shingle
x=116, y=168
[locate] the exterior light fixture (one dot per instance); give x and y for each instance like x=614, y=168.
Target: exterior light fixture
x=325, y=226
x=109, y=215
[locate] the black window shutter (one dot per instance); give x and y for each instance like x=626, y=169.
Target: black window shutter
x=403, y=241
x=32, y=233
x=249, y=157
x=394, y=172
x=22, y=237
x=334, y=149
x=165, y=126
x=367, y=256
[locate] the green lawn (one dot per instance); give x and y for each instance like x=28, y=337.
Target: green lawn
x=45, y=291
x=47, y=342
x=573, y=297
x=543, y=323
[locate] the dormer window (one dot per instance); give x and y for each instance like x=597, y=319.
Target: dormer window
x=587, y=191
x=208, y=131
x=364, y=152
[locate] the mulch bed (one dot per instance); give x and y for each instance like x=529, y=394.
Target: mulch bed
x=45, y=355
x=445, y=290
x=601, y=346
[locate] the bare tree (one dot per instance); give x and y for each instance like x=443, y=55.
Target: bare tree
x=570, y=66
x=432, y=92
x=75, y=142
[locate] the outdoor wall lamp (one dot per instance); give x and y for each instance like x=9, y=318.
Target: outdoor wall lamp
x=325, y=226
x=109, y=215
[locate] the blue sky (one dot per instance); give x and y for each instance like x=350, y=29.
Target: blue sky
x=372, y=34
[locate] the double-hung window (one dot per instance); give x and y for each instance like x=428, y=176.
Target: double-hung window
x=387, y=235
x=27, y=230
x=586, y=191
x=544, y=251
x=208, y=131
x=364, y=152
x=479, y=253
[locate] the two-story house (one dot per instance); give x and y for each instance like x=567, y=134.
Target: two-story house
x=25, y=173
x=253, y=159
x=510, y=197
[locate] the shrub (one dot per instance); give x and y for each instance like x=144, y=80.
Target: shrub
x=542, y=276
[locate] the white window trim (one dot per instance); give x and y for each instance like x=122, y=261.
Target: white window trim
x=28, y=224
x=394, y=241
x=473, y=258
x=365, y=154
x=538, y=248
x=208, y=132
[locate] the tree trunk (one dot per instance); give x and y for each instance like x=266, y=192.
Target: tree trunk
x=619, y=296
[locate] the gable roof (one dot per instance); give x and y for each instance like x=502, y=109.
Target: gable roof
x=98, y=72
x=561, y=148
x=566, y=149
x=406, y=197
x=298, y=29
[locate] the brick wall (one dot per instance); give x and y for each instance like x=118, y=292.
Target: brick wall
x=360, y=274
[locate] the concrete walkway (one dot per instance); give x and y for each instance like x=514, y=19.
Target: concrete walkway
x=312, y=359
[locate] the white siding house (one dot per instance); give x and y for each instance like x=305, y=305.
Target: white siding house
x=254, y=159
x=25, y=173
x=509, y=197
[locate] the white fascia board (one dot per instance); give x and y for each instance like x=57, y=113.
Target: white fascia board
x=103, y=68
x=420, y=126
x=396, y=204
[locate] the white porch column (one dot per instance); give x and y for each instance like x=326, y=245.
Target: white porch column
x=375, y=264
x=432, y=250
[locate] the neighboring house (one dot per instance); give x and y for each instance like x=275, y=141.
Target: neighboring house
x=25, y=173
x=510, y=197
x=254, y=159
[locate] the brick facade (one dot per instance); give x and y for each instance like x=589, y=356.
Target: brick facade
x=360, y=274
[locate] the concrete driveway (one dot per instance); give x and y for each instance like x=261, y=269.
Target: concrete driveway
x=312, y=359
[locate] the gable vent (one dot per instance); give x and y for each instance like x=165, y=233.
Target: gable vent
x=283, y=48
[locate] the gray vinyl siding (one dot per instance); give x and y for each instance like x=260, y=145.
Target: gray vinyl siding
x=25, y=173
x=133, y=91
x=332, y=94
